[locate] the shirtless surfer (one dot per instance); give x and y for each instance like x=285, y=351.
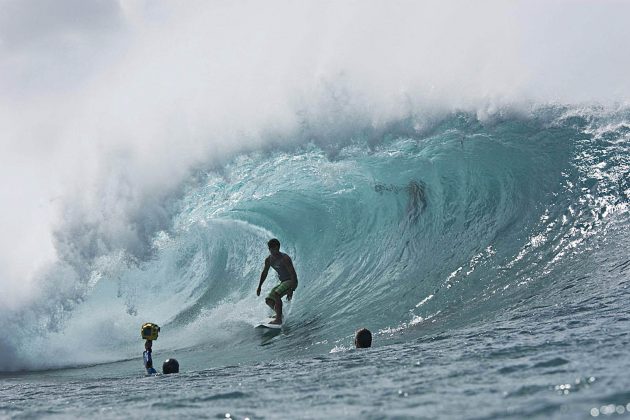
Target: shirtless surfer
x=283, y=265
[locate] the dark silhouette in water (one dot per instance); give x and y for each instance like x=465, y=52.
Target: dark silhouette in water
x=417, y=199
x=363, y=338
x=170, y=366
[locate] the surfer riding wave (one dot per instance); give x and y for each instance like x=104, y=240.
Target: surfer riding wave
x=283, y=265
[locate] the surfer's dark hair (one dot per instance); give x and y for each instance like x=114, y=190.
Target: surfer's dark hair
x=273, y=243
x=363, y=338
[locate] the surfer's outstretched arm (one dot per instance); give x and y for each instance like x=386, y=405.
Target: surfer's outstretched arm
x=148, y=360
x=263, y=275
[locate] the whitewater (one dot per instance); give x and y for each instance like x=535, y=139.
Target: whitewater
x=476, y=221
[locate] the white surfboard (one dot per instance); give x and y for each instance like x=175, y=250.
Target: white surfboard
x=266, y=324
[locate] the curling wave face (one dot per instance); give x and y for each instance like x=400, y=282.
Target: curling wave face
x=404, y=231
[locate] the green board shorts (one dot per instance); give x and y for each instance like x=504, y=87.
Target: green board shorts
x=282, y=289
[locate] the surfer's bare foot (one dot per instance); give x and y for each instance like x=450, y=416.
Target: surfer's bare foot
x=276, y=321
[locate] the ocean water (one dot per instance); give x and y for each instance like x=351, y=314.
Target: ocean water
x=489, y=257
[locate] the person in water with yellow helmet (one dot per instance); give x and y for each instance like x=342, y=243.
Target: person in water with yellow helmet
x=149, y=332
x=283, y=265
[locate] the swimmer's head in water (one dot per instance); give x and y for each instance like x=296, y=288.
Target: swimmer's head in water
x=363, y=339
x=170, y=366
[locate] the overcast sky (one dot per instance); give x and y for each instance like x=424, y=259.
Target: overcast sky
x=55, y=44
x=48, y=44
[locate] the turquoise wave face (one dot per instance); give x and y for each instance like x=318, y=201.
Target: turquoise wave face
x=410, y=234
x=407, y=234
